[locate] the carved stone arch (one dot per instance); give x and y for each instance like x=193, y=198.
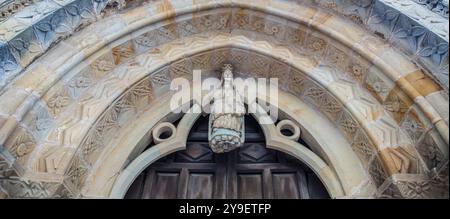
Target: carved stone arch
x=345, y=118
x=145, y=89
x=56, y=20
x=324, y=171
x=71, y=85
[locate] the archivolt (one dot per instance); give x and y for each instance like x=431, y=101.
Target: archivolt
x=355, y=79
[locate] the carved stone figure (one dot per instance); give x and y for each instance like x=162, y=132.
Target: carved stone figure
x=226, y=122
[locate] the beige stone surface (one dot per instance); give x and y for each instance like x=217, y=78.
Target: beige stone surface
x=62, y=115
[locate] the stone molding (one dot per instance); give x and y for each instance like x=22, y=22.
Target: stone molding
x=33, y=29
x=437, y=6
x=416, y=30
x=420, y=33
x=361, y=92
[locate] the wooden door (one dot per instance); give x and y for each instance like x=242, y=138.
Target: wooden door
x=252, y=172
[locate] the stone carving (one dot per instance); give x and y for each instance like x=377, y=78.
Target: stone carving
x=434, y=49
x=92, y=143
x=363, y=147
x=161, y=77
x=414, y=189
x=117, y=4
x=413, y=126
x=348, y=124
x=438, y=6
x=410, y=187
x=297, y=83
x=79, y=83
x=76, y=174
x=226, y=122
x=201, y=61
x=259, y=66
x=440, y=180
x=241, y=19
x=125, y=101
x=57, y=102
x=397, y=104
x=31, y=27
x=10, y=7
x=18, y=188
x=430, y=152
x=416, y=29
x=63, y=193
x=295, y=37
x=122, y=52
x=147, y=40
x=181, y=68
x=403, y=160
x=6, y=169
x=377, y=86
x=377, y=172
x=136, y=97
x=207, y=23
x=103, y=65
x=357, y=69
x=337, y=58
x=8, y=64
x=316, y=45
x=323, y=100
x=21, y=145
x=54, y=160
x=95, y=139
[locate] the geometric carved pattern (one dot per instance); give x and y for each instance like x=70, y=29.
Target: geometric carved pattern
x=348, y=124
x=430, y=152
x=362, y=147
x=43, y=23
x=315, y=93
x=76, y=174
x=6, y=169
x=111, y=120
x=440, y=181
x=377, y=87
x=21, y=145
x=122, y=52
x=413, y=126
x=377, y=172
x=58, y=102
x=323, y=100
x=22, y=189
x=414, y=190
x=398, y=104
x=139, y=95
x=412, y=187
x=403, y=160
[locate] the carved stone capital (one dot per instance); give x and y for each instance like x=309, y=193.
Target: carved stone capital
x=411, y=186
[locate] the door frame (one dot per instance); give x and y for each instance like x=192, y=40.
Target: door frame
x=273, y=141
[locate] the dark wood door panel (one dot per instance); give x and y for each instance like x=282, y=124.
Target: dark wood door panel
x=201, y=186
x=285, y=186
x=250, y=186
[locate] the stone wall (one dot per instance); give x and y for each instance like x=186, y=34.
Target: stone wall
x=79, y=79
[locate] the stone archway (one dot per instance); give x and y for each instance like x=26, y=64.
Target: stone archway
x=56, y=113
x=274, y=140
